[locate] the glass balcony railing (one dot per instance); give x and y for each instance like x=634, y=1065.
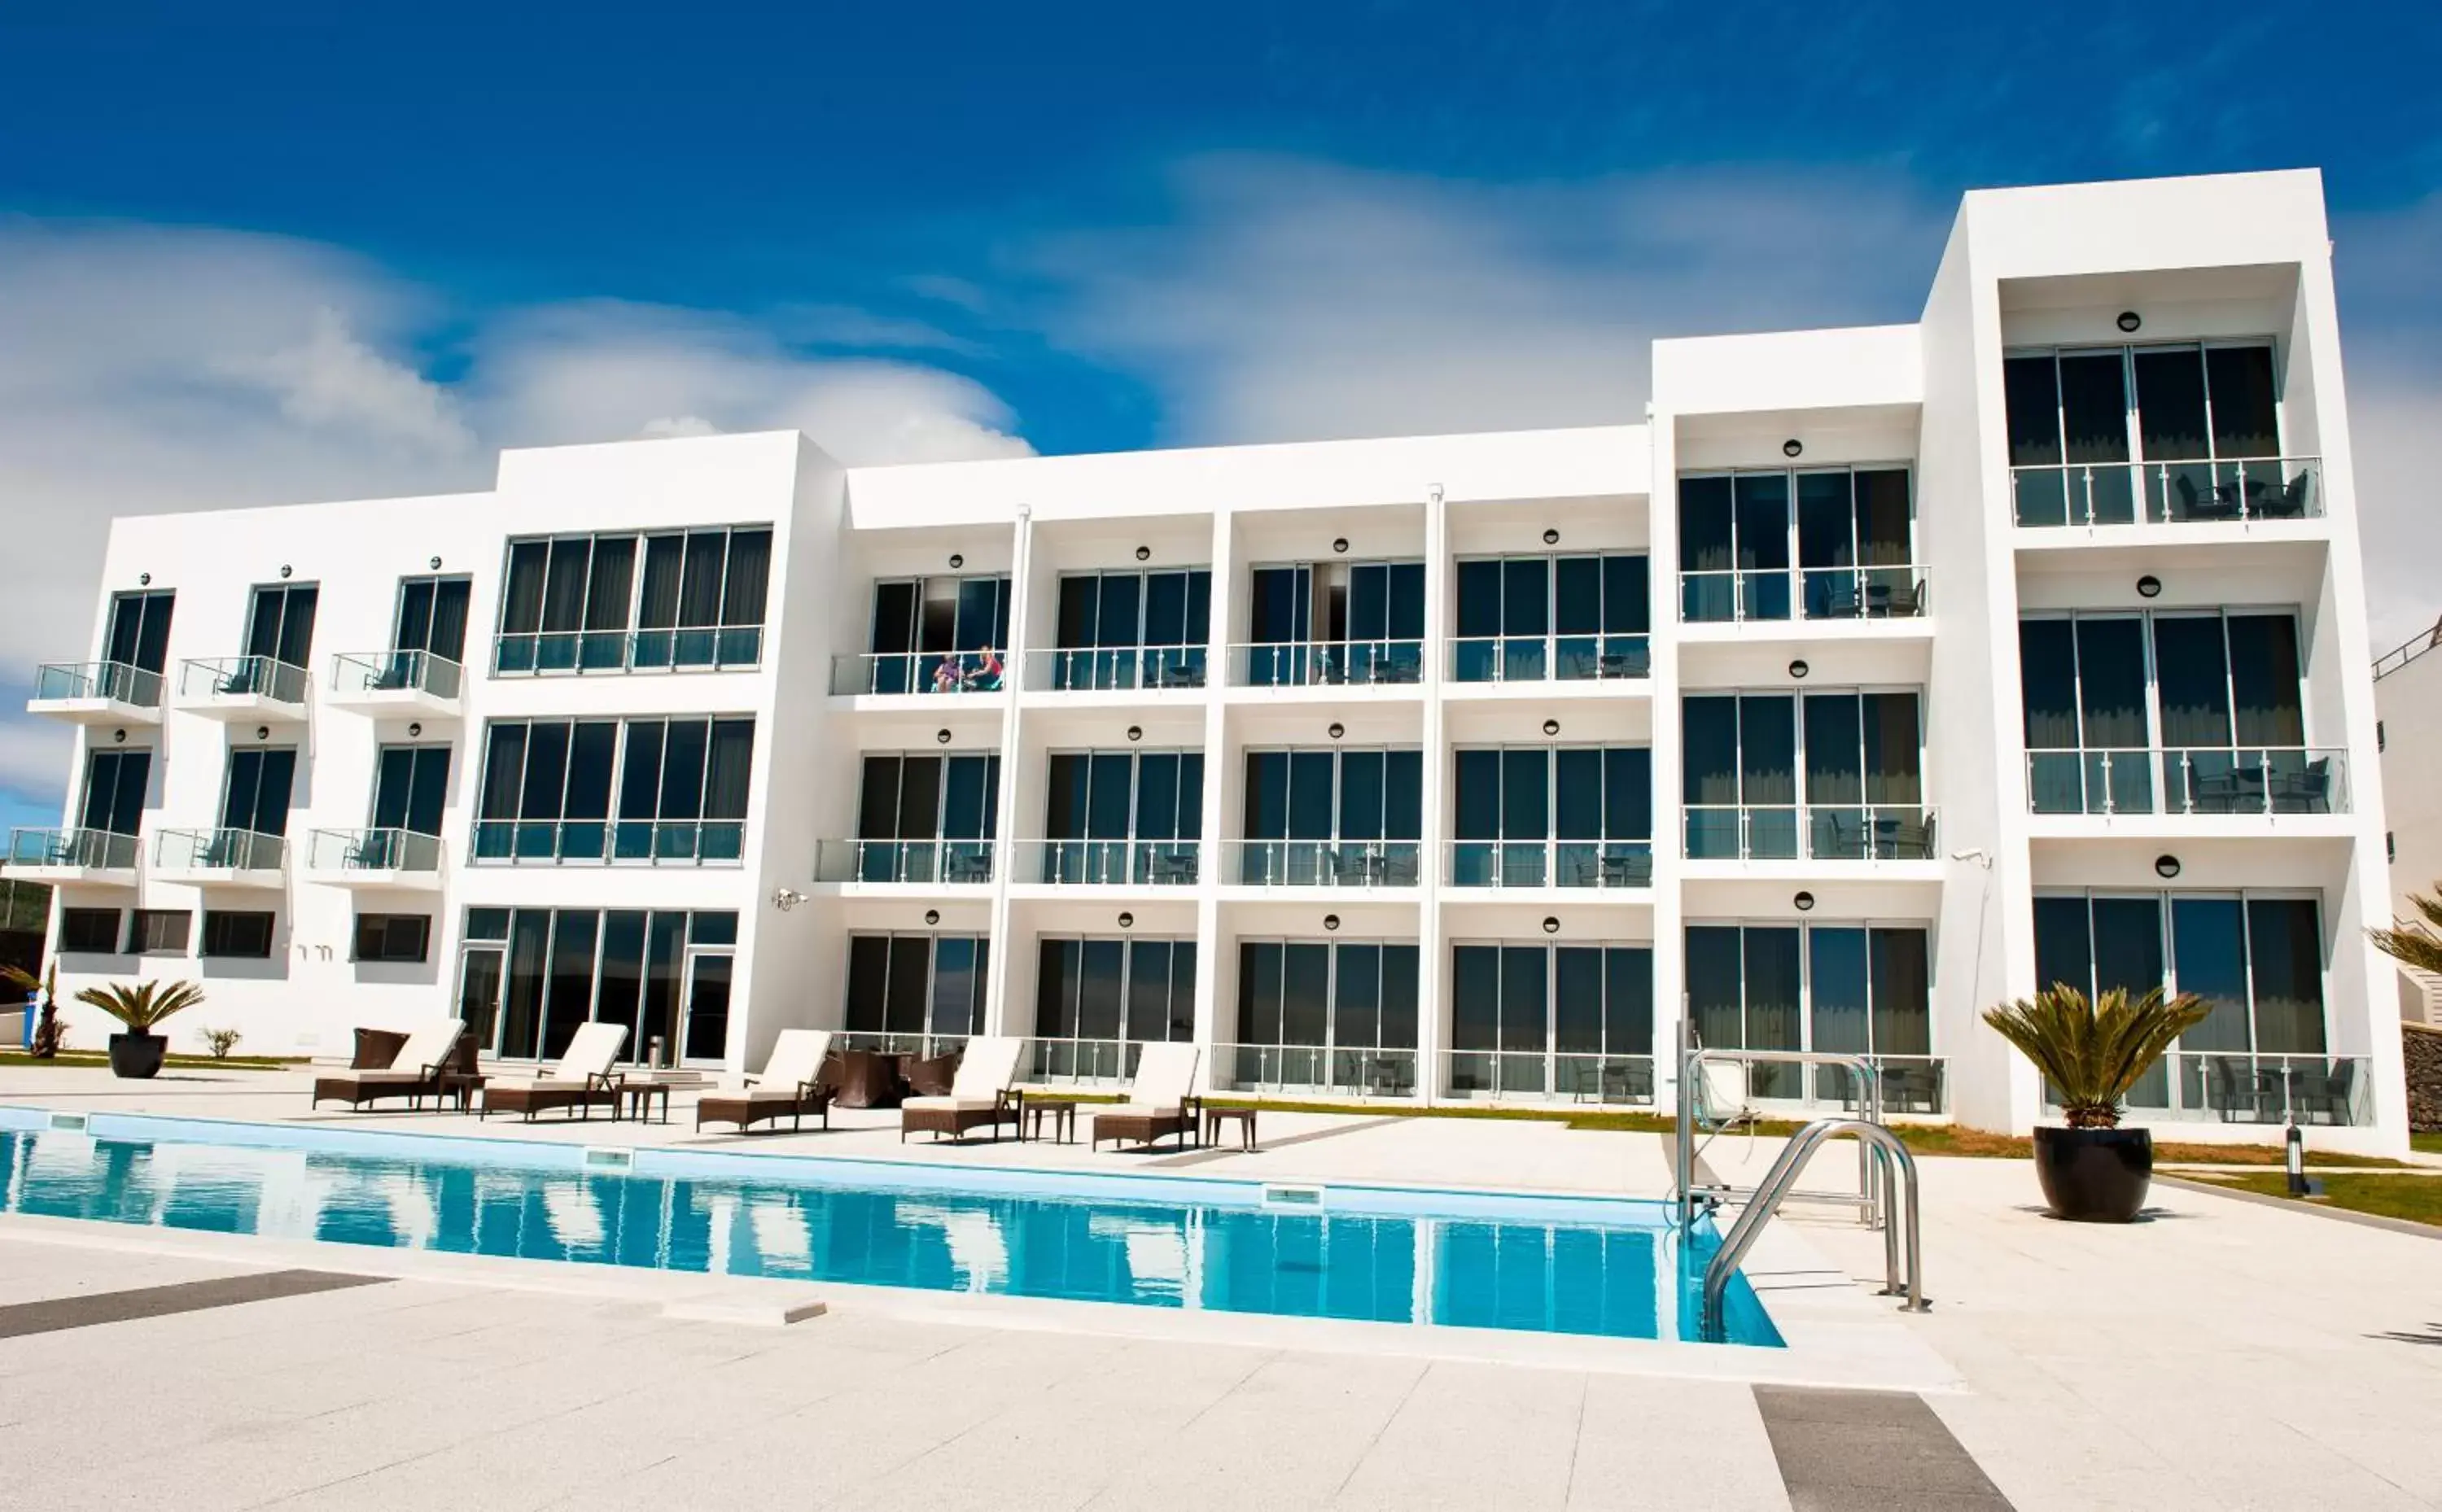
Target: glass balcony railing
x=1323, y=863
x=2189, y=780
x=1550, y=658
x=233, y=677
x=355, y=672
x=949, y=863
x=1334, y=664
x=1862, y=592
x=219, y=850
x=361, y=850
x=920, y=1046
x=702, y=649
x=1109, y=863
x=1056, y=1062
x=936, y=672
x=86, y=849
x=1550, y=864
x=1828, y=832
x=1120, y=669
x=683, y=842
x=2167, y=492
x=1729, y=596
x=1308, y=1070
x=2241, y=1087
x=116, y=680
x=1564, y=1076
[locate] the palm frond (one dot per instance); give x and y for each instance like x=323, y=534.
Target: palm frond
x=143, y=1004
x=2093, y=1053
x=2413, y=944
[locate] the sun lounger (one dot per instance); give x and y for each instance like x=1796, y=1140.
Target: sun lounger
x=1161, y=1099
x=414, y=1071
x=787, y=1088
x=580, y=1080
x=979, y=1094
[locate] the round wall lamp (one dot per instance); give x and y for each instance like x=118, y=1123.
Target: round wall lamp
x=1127, y=920
x=435, y=564
x=1551, y=925
x=940, y=738
x=118, y=737
x=144, y=579
x=2149, y=586
x=1341, y=545
x=1798, y=668
x=1336, y=731
x=262, y=732
x=2129, y=321
x=414, y=730
x=932, y=916
x=1803, y=903
x=2166, y=866
x=1145, y=554
x=285, y=568
x=1331, y=921
x=1135, y=732
x=1550, y=538
x=1551, y=726
x=1793, y=447
x=956, y=561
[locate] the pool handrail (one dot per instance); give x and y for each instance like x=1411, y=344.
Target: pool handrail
x=1900, y=1184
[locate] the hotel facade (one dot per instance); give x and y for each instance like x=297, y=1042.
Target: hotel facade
x=1879, y=675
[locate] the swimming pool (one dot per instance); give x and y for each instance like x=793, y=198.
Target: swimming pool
x=1601, y=1266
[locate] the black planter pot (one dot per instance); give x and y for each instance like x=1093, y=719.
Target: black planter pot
x=2094, y=1176
x=137, y=1057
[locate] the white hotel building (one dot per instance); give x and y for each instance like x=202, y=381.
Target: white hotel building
x=1879, y=675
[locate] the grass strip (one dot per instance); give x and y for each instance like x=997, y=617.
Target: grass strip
x=2417, y=1198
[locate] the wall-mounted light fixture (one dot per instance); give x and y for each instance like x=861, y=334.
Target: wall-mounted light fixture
x=1336, y=731
x=1550, y=538
x=1803, y=903
x=956, y=561
x=1135, y=732
x=1341, y=545
x=1551, y=726
x=414, y=730
x=436, y=564
x=262, y=732
x=1798, y=668
x=940, y=738
x=2129, y=321
x=1127, y=920
x=2149, y=586
x=1145, y=554
x=1551, y=925
x=932, y=916
x=1793, y=447
x=1331, y=921
x=144, y=579
x=285, y=568
x=118, y=737
x=2166, y=867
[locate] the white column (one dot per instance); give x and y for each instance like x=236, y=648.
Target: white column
x=1005, y=857
x=1209, y=943
x=1432, y=951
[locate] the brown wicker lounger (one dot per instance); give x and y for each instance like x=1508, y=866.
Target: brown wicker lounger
x=789, y=1088
x=581, y=1080
x=979, y=1094
x=1161, y=1098
x=413, y=1072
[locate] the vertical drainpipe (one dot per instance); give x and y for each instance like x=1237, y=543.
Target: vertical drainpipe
x=1432, y=952
x=1021, y=564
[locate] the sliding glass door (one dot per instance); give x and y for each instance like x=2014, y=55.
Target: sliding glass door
x=1572, y=1021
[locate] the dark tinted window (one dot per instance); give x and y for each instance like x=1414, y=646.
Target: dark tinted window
x=248, y=936
x=94, y=930
x=390, y=937
x=157, y=932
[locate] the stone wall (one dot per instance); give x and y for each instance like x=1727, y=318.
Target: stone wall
x=2424, y=1046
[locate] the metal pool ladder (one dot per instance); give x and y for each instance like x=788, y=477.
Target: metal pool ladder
x=1890, y=1153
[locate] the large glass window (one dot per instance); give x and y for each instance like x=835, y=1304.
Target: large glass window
x=135, y=650
x=1860, y=787
x=1828, y=989
x=1132, y=630
x=922, y=817
x=2256, y=959
x=914, y=988
x=670, y=600
x=2198, y=712
x=1567, y=816
x=1124, y=817
x=1574, y=1020
x=1323, y=1015
x=1527, y=618
x=1094, y=996
x=1855, y=540
x=529, y=976
x=936, y=635
x=113, y=791
x=682, y=786
x=1336, y=622
x=2191, y=431
x=1330, y=817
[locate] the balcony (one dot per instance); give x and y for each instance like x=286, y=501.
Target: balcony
x=1327, y=664
x=1817, y=594
x=2167, y=493
x=244, y=687
x=629, y=842
x=398, y=859
x=398, y=682
x=96, y=856
x=1551, y=658
x=1830, y=832
x=1323, y=864
x=229, y=858
x=1606, y=863
x=906, y=863
x=2188, y=780
x=1116, y=669
x=1108, y=863
x=97, y=693
x=1313, y=1070
x=2245, y=1088
x=704, y=649
x=1904, y=1084
x=1549, y=1076
x=922, y=673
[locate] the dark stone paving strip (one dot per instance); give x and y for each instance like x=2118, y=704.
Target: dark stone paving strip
x=1229, y=1148
x=55, y=1313
x=1870, y=1452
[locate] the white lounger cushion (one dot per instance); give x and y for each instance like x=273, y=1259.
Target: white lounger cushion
x=987, y=1068
x=951, y=1105
x=797, y=1059
x=1164, y=1081
x=539, y=1083
x=374, y=1078
x=593, y=1052
x=429, y=1045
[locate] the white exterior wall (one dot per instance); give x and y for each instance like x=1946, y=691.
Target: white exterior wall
x=2244, y=255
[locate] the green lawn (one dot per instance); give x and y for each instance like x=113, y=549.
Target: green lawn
x=2430, y=1144
x=2417, y=1198
x=89, y=1059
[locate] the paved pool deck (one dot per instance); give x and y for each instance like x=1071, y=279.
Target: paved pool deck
x=2223, y=1354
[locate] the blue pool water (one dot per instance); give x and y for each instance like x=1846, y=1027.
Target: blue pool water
x=1387, y=1255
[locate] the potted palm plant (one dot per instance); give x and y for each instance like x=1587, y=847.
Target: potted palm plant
x=2093, y=1171
x=137, y=1053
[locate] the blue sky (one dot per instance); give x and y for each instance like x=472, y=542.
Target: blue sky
x=333, y=251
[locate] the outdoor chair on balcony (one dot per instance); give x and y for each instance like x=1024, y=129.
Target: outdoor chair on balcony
x=2322, y=1094
x=981, y=1095
x=2304, y=791
x=789, y=1087
x=580, y=1079
x=1161, y=1098
x=413, y=1072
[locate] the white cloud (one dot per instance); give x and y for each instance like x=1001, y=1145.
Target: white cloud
x=150, y=368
